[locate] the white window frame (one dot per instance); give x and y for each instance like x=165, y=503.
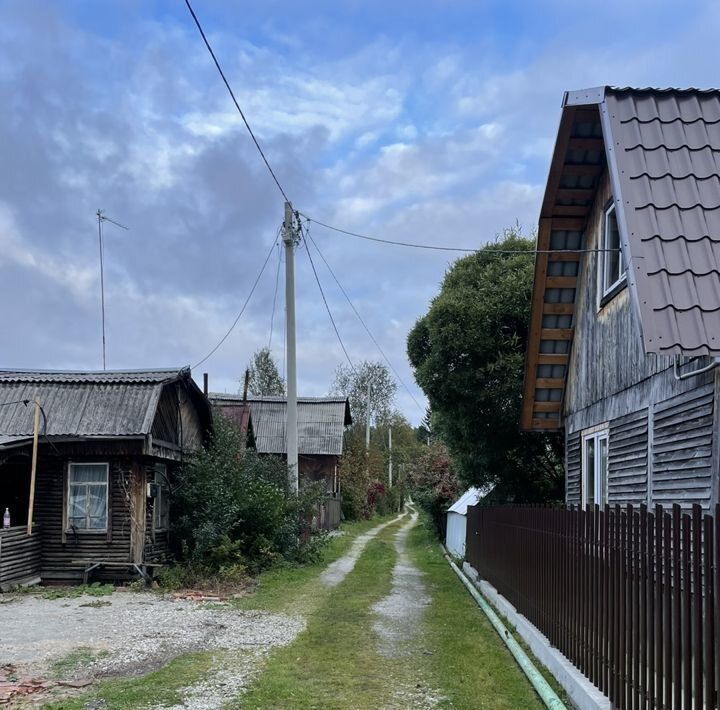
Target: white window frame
x=605, y=289
x=600, y=477
x=70, y=485
x=161, y=487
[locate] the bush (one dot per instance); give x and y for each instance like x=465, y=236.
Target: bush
x=234, y=512
x=434, y=485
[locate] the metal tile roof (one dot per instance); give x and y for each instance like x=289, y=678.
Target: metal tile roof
x=321, y=422
x=82, y=404
x=664, y=150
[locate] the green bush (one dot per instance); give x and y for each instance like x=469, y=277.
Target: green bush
x=234, y=510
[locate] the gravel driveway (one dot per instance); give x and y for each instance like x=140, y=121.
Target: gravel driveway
x=133, y=633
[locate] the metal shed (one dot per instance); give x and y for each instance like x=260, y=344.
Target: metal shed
x=457, y=521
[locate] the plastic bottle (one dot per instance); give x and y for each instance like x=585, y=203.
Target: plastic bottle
x=6, y=518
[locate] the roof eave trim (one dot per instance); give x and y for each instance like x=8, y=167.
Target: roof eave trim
x=584, y=97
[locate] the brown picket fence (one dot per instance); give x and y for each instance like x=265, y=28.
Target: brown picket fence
x=629, y=596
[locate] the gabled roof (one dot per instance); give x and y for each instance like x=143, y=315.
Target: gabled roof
x=661, y=148
x=87, y=404
x=321, y=422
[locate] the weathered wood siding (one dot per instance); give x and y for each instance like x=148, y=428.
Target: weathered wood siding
x=661, y=442
x=628, y=458
x=19, y=556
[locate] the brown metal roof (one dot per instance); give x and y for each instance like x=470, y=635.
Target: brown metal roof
x=662, y=152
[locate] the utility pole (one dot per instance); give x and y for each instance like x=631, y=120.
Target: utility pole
x=290, y=241
x=367, y=421
x=390, y=461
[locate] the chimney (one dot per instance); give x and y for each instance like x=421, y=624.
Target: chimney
x=205, y=383
x=245, y=387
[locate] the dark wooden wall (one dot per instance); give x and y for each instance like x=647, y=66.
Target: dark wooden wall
x=662, y=432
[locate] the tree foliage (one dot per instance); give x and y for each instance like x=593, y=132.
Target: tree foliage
x=353, y=384
x=468, y=355
x=265, y=377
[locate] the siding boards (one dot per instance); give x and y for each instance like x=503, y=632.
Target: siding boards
x=628, y=459
x=683, y=449
x=573, y=468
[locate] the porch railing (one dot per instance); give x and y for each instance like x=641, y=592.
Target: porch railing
x=629, y=596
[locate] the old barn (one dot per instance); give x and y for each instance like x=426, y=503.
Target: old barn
x=109, y=444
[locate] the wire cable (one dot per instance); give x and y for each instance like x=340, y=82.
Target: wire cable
x=465, y=250
x=235, y=101
x=327, y=307
x=277, y=283
x=242, y=310
x=360, y=318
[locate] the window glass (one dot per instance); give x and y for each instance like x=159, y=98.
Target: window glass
x=595, y=468
x=613, y=265
x=88, y=496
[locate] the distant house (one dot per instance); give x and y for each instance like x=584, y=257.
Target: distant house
x=321, y=427
x=625, y=327
x=456, y=521
x=108, y=447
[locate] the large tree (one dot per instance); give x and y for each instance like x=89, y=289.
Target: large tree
x=265, y=378
x=353, y=384
x=468, y=354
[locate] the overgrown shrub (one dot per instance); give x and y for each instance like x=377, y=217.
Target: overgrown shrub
x=234, y=512
x=434, y=484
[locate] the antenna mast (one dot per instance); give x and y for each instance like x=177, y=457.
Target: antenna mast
x=102, y=218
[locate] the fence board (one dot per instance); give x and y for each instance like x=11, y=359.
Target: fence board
x=630, y=596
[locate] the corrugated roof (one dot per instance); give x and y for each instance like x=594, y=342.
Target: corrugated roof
x=321, y=422
x=82, y=404
x=665, y=150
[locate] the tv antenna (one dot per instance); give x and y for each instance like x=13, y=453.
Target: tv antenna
x=101, y=217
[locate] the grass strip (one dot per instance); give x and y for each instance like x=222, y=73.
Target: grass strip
x=466, y=659
x=334, y=663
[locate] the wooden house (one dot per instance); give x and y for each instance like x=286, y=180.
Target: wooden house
x=321, y=427
x=109, y=444
x=625, y=325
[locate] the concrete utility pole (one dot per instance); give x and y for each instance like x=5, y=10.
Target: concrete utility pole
x=290, y=241
x=367, y=421
x=390, y=461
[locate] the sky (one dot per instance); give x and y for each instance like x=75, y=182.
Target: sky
x=430, y=122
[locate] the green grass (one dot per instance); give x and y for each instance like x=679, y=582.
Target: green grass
x=289, y=588
x=469, y=662
x=333, y=663
x=161, y=686
x=79, y=657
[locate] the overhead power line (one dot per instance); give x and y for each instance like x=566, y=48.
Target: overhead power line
x=277, y=283
x=235, y=101
x=364, y=325
x=327, y=307
x=437, y=247
x=242, y=310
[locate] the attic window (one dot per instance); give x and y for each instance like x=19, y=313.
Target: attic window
x=612, y=264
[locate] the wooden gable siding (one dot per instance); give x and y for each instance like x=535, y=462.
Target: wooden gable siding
x=165, y=426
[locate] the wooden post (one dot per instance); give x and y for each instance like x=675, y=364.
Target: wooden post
x=33, y=469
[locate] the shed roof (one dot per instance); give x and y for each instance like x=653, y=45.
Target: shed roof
x=84, y=404
x=470, y=497
x=661, y=149
x=321, y=422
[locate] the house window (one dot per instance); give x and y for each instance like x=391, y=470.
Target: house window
x=161, y=515
x=612, y=264
x=88, y=496
x=595, y=467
